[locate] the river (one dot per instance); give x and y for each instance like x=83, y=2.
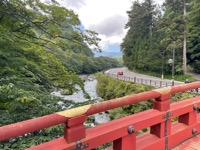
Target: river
x=90, y=87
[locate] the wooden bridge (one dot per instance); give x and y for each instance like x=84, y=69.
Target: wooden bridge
x=163, y=133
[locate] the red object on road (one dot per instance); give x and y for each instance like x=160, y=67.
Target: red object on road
x=120, y=73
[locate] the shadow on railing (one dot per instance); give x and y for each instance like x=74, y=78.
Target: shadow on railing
x=122, y=132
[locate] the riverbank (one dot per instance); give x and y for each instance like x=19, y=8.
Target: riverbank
x=90, y=84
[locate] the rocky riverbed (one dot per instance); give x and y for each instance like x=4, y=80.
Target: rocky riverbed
x=90, y=84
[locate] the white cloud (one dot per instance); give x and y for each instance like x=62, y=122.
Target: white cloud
x=106, y=17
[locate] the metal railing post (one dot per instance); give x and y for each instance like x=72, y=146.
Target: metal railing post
x=172, y=82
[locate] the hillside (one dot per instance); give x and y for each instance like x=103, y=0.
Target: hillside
x=109, y=54
x=41, y=50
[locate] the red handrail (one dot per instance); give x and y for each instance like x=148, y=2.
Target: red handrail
x=161, y=103
x=35, y=124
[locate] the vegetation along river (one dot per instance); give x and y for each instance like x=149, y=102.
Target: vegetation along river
x=90, y=87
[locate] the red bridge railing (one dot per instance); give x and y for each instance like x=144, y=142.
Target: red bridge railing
x=163, y=134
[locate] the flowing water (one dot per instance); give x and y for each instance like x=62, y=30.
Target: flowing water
x=90, y=87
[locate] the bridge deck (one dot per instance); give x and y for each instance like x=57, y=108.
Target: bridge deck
x=190, y=144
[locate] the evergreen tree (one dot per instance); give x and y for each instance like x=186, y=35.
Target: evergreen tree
x=194, y=35
x=139, y=44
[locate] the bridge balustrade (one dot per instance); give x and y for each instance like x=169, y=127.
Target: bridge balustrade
x=163, y=133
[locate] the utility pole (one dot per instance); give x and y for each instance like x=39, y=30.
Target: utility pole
x=173, y=60
x=184, y=42
x=163, y=63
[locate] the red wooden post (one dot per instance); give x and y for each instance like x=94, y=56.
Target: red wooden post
x=74, y=129
x=189, y=118
x=125, y=143
x=162, y=104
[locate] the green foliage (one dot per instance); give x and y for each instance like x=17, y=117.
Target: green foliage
x=177, y=77
x=104, y=146
x=152, y=35
x=181, y=96
x=29, y=65
x=32, y=139
x=23, y=105
x=82, y=64
x=33, y=38
x=42, y=24
x=41, y=49
x=109, y=88
x=20, y=104
x=140, y=46
x=194, y=35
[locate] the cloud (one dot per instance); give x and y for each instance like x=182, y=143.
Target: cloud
x=106, y=17
x=110, y=26
x=72, y=3
x=107, y=41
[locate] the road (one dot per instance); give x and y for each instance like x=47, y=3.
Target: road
x=141, y=78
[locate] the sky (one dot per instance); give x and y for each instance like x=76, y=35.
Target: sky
x=106, y=17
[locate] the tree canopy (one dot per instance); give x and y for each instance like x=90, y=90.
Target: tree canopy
x=153, y=33
x=42, y=24
x=42, y=49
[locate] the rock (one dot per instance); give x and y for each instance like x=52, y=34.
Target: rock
x=66, y=92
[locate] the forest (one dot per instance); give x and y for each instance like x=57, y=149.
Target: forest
x=155, y=32
x=43, y=48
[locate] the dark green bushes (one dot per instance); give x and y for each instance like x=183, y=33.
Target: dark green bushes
x=110, y=88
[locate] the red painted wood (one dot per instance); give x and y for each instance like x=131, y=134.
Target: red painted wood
x=183, y=107
x=125, y=143
x=184, y=87
x=74, y=133
x=162, y=106
x=35, y=124
x=162, y=103
x=181, y=136
x=189, y=118
x=113, y=130
x=76, y=120
x=149, y=142
x=191, y=144
x=74, y=129
x=16, y=129
x=123, y=101
x=117, y=130
x=159, y=129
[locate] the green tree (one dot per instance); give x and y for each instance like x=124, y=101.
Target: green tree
x=173, y=26
x=194, y=35
x=139, y=44
x=41, y=24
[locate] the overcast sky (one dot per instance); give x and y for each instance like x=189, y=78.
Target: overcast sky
x=106, y=17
